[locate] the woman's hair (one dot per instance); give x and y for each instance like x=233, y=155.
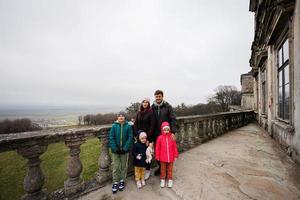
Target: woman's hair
x=142, y=108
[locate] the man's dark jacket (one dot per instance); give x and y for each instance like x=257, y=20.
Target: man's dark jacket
x=163, y=113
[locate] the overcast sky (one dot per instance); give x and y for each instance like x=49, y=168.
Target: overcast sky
x=60, y=52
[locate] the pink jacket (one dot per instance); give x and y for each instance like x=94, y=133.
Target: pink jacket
x=165, y=148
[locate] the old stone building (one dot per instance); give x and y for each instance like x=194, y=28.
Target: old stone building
x=247, y=101
x=275, y=63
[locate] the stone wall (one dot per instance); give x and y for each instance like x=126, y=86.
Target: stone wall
x=192, y=131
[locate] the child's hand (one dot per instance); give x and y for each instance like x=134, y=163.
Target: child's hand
x=139, y=157
x=151, y=145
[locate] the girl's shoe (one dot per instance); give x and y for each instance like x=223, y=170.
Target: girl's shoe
x=143, y=183
x=121, y=185
x=114, y=188
x=138, y=184
x=162, y=183
x=147, y=174
x=170, y=183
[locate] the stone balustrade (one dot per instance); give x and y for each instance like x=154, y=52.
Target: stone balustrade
x=197, y=129
x=191, y=131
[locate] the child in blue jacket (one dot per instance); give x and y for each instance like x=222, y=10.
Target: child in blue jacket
x=120, y=141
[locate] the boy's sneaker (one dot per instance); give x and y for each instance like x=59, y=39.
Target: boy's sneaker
x=162, y=183
x=170, y=183
x=121, y=185
x=138, y=184
x=143, y=183
x=114, y=188
x=147, y=174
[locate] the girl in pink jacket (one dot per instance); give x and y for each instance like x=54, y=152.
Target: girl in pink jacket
x=166, y=152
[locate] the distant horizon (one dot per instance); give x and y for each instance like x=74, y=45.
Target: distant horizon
x=57, y=106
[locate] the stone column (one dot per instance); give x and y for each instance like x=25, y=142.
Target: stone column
x=34, y=179
x=201, y=133
x=296, y=91
x=229, y=124
x=182, y=133
x=205, y=130
x=213, y=125
x=179, y=137
x=104, y=161
x=75, y=183
x=209, y=128
x=217, y=125
x=185, y=138
x=197, y=133
x=191, y=135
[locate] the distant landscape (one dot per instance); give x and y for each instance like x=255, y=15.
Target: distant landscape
x=53, y=116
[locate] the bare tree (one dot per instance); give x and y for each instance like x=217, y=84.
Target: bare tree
x=18, y=125
x=133, y=109
x=226, y=95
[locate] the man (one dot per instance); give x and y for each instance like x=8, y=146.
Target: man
x=163, y=111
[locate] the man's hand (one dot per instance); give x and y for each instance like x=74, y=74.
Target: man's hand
x=173, y=136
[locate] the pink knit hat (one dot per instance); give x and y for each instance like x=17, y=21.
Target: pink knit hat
x=146, y=99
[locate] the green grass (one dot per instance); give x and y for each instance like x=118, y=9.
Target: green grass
x=54, y=162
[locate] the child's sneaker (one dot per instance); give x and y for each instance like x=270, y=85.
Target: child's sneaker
x=162, y=183
x=138, y=184
x=114, y=188
x=143, y=183
x=170, y=183
x=147, y=174
x=121, y=185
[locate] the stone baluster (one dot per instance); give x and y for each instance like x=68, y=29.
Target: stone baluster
x=233, y=122
x=182, y=136
x=223, y=125
x=185, y=139
x=209, y=129
x=213, y=127
x=104, y=161
x=74, y=183
x=196, y=132
x=191, y=135
x=34, y=179
x=205, y=132
x=179, y=137
x=226, y=124
x=237, y=121
x=217, y=125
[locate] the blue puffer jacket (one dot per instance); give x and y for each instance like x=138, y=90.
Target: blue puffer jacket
x=120, y=137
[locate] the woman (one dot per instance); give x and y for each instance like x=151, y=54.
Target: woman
x=145, y=121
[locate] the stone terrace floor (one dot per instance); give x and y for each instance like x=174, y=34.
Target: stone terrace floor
x=242, y=164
